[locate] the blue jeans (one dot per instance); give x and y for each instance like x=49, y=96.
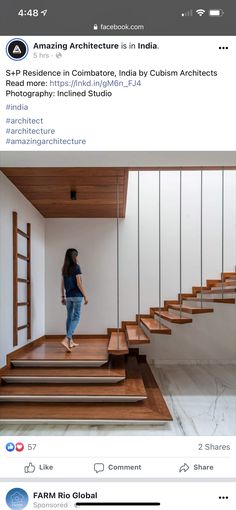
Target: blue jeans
x=73, y=305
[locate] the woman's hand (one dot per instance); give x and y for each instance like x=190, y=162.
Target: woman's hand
x=63, y=301
x=85, y=300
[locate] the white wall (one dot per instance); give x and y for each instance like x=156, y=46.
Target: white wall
x=12, y=200
x=96, y=242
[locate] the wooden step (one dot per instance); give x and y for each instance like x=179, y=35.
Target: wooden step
x=136, y=335
x=152, y=410
x=229, y=275
x=117, y=344
x=170, y=317
x=130, y=389
x=155, y=326
x=91, y=352
x=111, y=373
x=218, y=291
x=226, y=285
x=211, y=300
x=191, y=309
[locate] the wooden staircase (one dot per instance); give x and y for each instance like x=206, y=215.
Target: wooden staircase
x=42, y=382
x=104, y=379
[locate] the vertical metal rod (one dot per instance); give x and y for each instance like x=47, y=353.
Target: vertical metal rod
x=118, y=259
x=138, y=217
x=180, y=241
x=159, y=243
x=201, y=236
x=222, y=228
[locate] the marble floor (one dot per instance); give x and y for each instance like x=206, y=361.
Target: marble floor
x=201, y=399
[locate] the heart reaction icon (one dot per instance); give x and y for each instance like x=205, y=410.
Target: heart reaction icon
x=19, y=447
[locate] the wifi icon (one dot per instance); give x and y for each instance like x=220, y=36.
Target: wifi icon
x=200, y=12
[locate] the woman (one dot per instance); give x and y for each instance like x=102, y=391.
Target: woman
x=72, y=295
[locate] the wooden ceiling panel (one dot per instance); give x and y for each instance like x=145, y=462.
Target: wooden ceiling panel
x=48, y=189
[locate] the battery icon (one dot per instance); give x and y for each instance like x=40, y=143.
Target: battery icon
x=216, y=12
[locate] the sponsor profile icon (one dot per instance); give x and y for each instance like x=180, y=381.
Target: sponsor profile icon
x=17, y=49
x=17, y=499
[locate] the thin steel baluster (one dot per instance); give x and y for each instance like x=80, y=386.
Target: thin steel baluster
x=180, y=241
x=201, y=237
x=159, y=244
x=222, y=229
x=139, y=294
x=118, y=259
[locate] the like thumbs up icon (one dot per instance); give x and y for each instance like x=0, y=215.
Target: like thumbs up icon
x=30, y=468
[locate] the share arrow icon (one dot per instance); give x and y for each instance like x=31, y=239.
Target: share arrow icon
x=184, y=468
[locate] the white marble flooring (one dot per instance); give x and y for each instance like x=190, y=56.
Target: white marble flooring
x=201, y=399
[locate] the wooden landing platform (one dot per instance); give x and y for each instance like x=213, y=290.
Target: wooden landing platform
x=90, y=352
x=152, y=410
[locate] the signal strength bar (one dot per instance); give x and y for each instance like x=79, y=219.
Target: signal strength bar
x=187, y=13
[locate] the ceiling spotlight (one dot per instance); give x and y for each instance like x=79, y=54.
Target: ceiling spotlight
x=73, y=195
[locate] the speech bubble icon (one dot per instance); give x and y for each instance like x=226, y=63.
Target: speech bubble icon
x=99, y=467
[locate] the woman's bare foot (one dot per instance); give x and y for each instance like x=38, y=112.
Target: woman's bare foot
x=73, y=344
x=65, y=343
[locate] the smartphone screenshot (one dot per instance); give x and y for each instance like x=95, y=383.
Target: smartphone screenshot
x=117, y=255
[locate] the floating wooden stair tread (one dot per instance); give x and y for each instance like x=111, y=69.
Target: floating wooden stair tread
x=152, y=410
x=117, y=344
x=112, y=372
x=191, y=309
x=91, y=352
x=155, y=326
x=226, y=285
x=136, y=335
x=210, y=300
x=218, y=291
x=176, y=319
x=130, y=389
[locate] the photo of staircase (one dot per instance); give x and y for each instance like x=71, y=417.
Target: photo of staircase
x=111, y=377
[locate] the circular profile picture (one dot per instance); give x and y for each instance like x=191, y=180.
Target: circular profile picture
x=17, y=49
x=17, y=499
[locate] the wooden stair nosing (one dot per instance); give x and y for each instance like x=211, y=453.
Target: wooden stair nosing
x=130, y=388
x=151, y=410
x=167, y=316
x=117, y=344
x=155, y=326
x=192, y=310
